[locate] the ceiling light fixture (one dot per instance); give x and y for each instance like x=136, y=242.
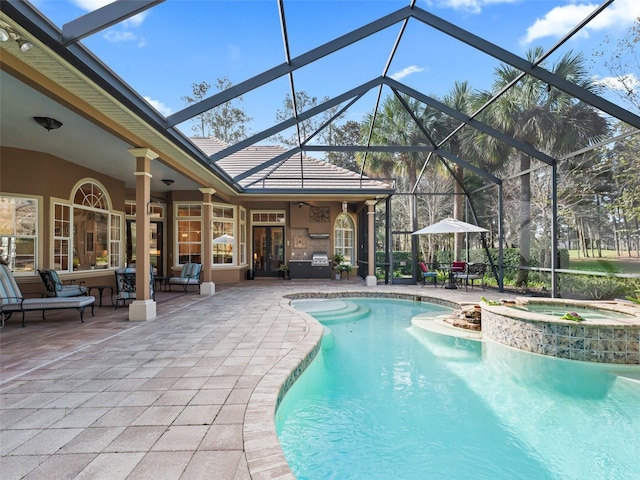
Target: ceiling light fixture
x=168, y=181
x=48, y=122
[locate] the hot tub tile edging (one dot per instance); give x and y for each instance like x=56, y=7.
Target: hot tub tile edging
x=618, y=344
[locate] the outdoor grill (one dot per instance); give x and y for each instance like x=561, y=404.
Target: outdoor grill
x=319, y=259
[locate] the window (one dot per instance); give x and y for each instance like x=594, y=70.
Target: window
x=343, y=234
x=188, y=230
x=62, y=235
x=116, y=241
x=266, y=218
x=18, y=233
x=224, y=226
x=242, y=234
x=84, y=236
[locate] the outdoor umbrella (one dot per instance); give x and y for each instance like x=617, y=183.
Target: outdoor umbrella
x=224, y=239
x=449, y=225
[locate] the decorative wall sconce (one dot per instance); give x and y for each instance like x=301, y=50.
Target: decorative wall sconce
x=345, y=207
x=48, y=122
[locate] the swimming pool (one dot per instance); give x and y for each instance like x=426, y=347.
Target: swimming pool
x=385, y=400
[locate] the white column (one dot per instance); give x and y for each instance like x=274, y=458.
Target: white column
x=371, y=279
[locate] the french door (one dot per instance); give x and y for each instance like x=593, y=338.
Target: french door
x=268, y=251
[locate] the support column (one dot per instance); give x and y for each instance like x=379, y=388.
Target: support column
x=207, y=287
x=371, y=279
x=144, y=307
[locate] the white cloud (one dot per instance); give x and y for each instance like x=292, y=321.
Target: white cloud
x=115, y=36
x=559, y=20
x=132, y=22
x=159, y=106
x=136, y=20
x=624, y=83
x=406, y=71
x=91, y=5
x=471, y=6
x=234, y=52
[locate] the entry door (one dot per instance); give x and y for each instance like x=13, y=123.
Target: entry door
x=268, y=251
x=155, y=245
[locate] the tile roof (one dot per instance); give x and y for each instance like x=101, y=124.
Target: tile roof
x=295, y=172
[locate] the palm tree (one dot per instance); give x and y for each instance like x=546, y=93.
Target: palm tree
x=395, y=126
x=461, y=98
x=545, y=118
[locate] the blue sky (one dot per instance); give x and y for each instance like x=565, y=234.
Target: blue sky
x=162, y=51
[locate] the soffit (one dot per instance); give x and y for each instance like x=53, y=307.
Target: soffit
x=53, y=76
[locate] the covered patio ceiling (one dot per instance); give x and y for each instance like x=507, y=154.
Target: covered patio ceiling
x=60, y=72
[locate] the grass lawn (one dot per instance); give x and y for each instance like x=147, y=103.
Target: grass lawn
x=609, y=262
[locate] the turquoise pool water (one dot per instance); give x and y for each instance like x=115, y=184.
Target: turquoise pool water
x=384, y=400
x=558, y=310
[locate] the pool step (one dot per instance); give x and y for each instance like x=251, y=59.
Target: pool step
x=332, y=310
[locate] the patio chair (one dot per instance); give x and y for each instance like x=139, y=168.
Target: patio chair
x=425, y=273
x=55, y=287
x=475, y=271
x=12, y=300
x=458, y=271
x=126, y=286
x=190, y=275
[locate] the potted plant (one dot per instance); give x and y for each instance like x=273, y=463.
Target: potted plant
x=345, y=267
x=337, y=265
x=284, y=268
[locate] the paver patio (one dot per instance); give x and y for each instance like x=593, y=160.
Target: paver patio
x=189, y=395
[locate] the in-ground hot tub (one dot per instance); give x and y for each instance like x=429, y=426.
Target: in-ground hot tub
x=609, y=333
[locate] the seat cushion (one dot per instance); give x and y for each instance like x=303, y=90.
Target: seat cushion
x=49, y=303
x=71, y=291
x=183, y=281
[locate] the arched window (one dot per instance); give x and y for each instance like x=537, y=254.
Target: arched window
x=86, y=235
x=344, y=238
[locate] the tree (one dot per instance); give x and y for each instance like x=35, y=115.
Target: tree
x=623, y=64
x=461, y=98
x=307, y=127
x=346, y=134
x=201, y=121
x=545, y=118
x=394, y=125
x=226, y=122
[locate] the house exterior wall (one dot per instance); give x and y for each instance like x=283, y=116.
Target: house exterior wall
x=47, y=177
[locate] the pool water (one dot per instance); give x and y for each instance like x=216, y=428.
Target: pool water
x=384, y=400
x=586, y=313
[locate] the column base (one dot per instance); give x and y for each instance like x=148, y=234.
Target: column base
x=207, y=288
x=372, y=281
x=142, y=310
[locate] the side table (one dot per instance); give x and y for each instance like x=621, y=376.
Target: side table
x=101, y=289
x=161, y=281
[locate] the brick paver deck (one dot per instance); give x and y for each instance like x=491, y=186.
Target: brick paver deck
x=189, y=395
